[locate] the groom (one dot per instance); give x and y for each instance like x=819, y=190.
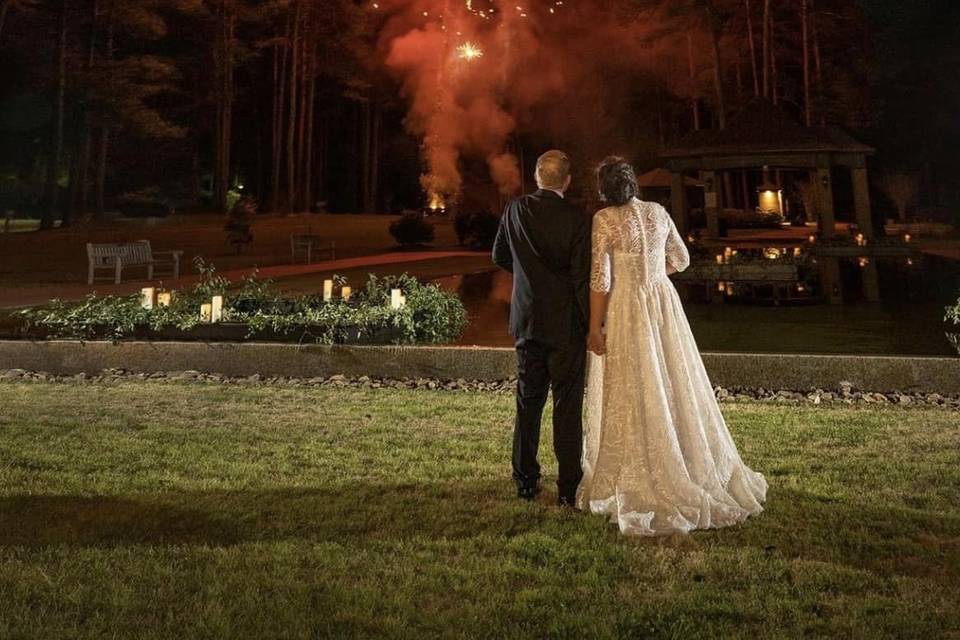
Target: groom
x=544, y=241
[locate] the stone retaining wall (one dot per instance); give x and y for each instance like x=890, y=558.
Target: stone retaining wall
x=730, y=370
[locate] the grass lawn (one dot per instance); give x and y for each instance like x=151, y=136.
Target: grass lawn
x=177, y=511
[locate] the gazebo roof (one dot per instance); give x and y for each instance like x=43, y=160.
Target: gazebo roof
x=762, y=128
x=663, y=179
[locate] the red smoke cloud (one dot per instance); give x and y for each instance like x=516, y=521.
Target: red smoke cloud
x=563, y=74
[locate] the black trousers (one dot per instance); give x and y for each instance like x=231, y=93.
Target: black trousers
x=541, y=369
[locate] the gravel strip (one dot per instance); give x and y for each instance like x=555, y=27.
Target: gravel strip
x=847, y=394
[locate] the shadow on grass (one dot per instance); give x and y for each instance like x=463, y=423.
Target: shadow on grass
x=796, y=524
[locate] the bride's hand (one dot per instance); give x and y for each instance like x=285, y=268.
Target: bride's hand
x=597, y=343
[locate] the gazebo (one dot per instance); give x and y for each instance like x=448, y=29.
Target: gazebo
x=764, y=136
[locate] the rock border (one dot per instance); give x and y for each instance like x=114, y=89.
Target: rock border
x=884, y=374
x=845, y=395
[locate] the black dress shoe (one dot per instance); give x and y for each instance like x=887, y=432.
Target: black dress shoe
x=528, y=493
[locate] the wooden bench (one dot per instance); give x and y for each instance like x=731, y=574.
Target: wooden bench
x=307, y=243
x=114, y=258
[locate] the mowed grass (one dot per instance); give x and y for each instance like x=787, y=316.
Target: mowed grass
x=188, y=511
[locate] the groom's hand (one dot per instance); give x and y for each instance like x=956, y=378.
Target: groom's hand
x=597, y=342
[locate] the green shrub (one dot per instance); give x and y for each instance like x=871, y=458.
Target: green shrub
x=953, y=316
x=431, y=316
x=412, y=230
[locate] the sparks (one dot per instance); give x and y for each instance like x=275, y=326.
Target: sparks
x=469, y=51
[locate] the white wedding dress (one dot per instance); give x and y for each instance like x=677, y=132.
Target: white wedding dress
x=658, y=457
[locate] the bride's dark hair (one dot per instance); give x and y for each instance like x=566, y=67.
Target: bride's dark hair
x=617, y=181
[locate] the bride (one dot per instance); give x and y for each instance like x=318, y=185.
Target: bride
x=658, y=457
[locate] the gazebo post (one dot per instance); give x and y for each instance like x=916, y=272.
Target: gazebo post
x=861, y=200
x=826, y=218
x=678, y=203
x=711, y=204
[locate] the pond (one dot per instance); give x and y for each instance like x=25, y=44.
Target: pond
x=914, y=328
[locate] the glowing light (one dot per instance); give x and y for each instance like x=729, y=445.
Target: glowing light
x=437, y=203
x=469, y=51
x=771, y=254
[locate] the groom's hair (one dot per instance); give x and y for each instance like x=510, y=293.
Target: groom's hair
x=553, y=169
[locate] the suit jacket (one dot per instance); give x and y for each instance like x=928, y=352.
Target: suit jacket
x=544, y=241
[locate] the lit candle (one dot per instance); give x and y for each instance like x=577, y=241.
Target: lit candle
x=721, y=287
x=719, y=259
x=346, y=292
x=327, y=290
x=148, y=296
x=906, y=238
x=206, y=312
x=396, y=298
x=216, y=309
x=164, y=299
x=812, y=239
x=796, y=252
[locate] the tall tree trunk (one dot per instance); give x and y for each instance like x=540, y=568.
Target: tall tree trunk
x=753, y=49
x=713, y=21
x=818, y=62
x=766, y=48
x=103, y=148
x=365, y=147
x=56, y=141
x=694, y=99
x=275, y=132
x=4, y=7
x=804, y=18
x=81, y=181
x=294, y=88
x=305, y=70
x=375, y=157
x=774, y=67
x=280, y=92
x=224, y=120
x=311, y=150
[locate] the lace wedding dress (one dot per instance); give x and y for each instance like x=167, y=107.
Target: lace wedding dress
x=658, y=457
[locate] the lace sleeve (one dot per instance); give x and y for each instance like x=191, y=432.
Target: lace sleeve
x=677, y=255
x=601, y=274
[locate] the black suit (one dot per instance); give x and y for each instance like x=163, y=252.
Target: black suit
x=545, y=242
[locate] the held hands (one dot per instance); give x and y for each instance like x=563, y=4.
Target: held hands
x=597, y=342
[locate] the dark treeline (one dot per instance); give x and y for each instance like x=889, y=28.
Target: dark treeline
x=190, y=100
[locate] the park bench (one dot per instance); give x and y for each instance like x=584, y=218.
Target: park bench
x=114, y=258
x=306, y=243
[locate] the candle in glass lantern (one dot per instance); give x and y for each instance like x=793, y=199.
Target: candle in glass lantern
x=148, y=296
x=345, y=293
x=206, y=312
x=164, y=299
x=327, y=290
x=216, y=309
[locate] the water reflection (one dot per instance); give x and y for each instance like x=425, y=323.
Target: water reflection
x=914, y=329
